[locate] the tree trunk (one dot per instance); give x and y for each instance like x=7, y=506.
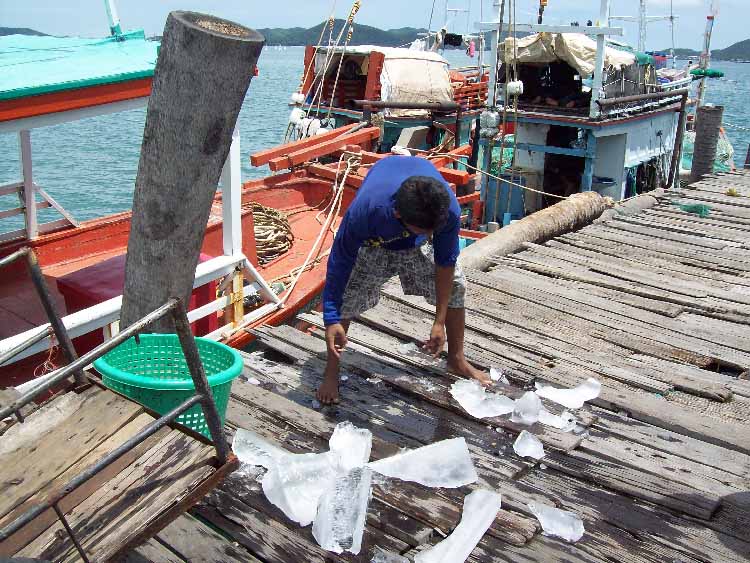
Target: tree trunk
x=573, y=213
x=707, y=130
x=202, y=74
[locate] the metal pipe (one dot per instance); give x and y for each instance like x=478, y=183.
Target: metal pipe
x=606, y=102
x=434, y=106
x=86, y=359
x=202, y=388
x=81, y=478
x=61, y=333
x=71, y=534
x=677, y=149
x=41, y=335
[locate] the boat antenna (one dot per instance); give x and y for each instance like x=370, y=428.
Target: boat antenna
x=429, y=24
x=114, y=20
x=671, y=26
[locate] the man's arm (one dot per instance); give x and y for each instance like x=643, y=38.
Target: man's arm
x=446, y=248
x=349, y=238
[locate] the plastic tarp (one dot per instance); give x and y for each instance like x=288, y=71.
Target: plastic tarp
x=414, y=76
x=32, y=65
x=576, y=49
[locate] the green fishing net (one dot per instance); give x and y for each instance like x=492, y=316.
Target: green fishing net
x=698, y=209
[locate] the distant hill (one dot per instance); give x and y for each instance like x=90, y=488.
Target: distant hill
x=19, y=31
x=363, y=35
x=738, y=51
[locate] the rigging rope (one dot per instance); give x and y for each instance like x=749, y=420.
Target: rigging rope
x=273, y=234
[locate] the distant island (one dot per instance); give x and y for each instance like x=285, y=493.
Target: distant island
x=402, y=36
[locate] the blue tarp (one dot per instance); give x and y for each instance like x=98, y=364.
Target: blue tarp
x=31, y=65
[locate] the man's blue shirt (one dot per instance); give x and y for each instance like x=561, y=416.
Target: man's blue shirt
x=370, y=221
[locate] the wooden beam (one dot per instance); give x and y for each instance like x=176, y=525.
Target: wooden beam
x=330, y=174
x=297, y=157
x=265, y=156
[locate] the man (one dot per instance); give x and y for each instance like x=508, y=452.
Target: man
x=402, y=203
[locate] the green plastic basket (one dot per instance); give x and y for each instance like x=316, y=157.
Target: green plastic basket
x=154, y=373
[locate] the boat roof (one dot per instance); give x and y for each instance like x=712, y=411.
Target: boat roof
x=34, y=65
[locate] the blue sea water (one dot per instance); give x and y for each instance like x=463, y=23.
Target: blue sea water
x=89, y=166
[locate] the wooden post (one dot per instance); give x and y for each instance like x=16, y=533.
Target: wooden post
x=707, y=131
x=203, y=71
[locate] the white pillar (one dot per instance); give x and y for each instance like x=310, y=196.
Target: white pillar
x=598, y=78
x=29, y=193
x=642, y=25
x=231, y=198
x=113, y=17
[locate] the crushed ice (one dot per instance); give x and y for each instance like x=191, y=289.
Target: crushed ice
x=556, y=522
x=480, y=510
x=528, y=445
x=413, y=351
x=332, y=489
x=565, y=421
x=496, y=374
x=526, y=409
x=443, y=464
x=572, y=398
x=477, y=402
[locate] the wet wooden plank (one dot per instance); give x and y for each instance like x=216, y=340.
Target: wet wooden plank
x=311, y=426
x=385, y=410
x=151, y=551
x=198, y=543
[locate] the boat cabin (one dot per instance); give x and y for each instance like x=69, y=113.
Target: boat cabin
x=338, y=82
x=619, y=144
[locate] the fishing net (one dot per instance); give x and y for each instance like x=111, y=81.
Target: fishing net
x=507, y=157
x=724, y=160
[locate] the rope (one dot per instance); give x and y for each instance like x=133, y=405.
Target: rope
x=350, y=33
x=273, y=234
x=352, y=161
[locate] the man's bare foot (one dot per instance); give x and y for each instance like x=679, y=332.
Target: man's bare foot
x=461, y=367
x=328, y=392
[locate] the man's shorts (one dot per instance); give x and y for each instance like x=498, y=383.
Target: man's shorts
x=415, y=268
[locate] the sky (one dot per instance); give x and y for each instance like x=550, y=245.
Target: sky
x=88, y=17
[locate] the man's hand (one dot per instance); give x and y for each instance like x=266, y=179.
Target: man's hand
x=436, y=341
x=336, y=339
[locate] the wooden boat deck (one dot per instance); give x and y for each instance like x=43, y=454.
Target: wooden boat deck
x=117, y=508
x=655, y=306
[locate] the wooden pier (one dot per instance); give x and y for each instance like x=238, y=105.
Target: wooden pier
x=656, y=306
x=119, y=507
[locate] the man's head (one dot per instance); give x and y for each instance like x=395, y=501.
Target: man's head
x=422, y=204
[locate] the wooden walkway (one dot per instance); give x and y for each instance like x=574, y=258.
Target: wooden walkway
x=655, y=306
x=117, y=508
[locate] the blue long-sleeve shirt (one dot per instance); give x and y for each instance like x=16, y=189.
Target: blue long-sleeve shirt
x=370, y=221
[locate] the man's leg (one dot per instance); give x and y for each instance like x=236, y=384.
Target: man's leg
x=455, y=326
x=328, y=392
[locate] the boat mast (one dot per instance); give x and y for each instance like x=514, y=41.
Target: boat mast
x=643, y=19
x=705, y=55
x=114, y=19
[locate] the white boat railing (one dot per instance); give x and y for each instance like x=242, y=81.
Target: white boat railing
x=105, y=316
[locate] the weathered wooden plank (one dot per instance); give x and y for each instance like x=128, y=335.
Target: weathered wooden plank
x=136, y=496
x=570, y=348
x=658, y=233
x=432, y=390
x=657, y=530
x=307, y=424
x=660, y=329
x=674, y=443
x=382, y=408
x=198, y=543
x=46, y=519
x=151, y=551
x=67, y=439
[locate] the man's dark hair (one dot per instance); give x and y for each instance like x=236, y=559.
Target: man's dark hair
x=423, y=202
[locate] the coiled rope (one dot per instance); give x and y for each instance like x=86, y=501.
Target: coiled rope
x=273, y=234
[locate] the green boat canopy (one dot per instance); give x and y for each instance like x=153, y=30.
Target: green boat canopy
x=707, y=72
x=32, y=65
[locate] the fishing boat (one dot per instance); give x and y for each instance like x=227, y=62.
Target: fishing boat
x=267, y=240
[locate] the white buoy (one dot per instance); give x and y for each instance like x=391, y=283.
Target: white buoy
x=298, y=98
x=296, y=116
